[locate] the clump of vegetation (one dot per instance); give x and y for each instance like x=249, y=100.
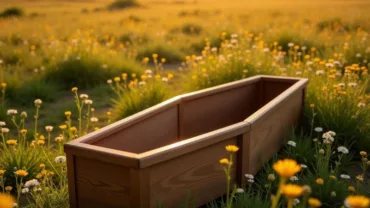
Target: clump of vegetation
x=12, y=12
x=191, y=29
x=335, y=25
x=123, y=4
x=169, y=52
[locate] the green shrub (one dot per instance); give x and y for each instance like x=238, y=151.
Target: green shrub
x=123, y=4
x=12, y=12
x=191, y=29
x=86, y=71
x=172, y=54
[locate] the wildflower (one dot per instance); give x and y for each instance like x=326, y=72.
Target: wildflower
x=84, y=96
x=333, y=177
x=4, y=130
x=68, y=113
x=21, y=173
x=88, y=102
x=31, y=183
x=49, y=128
x=303, y=166
x=322, y=151
x=358, y=201
x=318, y=129
x=249, y=176
x=40, y=142
x=60, y=159
x=109, y=81
x=6, y=201
x=250, y=180
x=292, y=191
x=59, y=139
x=73, y=129
x=351, y=189
x=286, y=168
x=38, y=102
x=224, y=161
x=343, y=150
x=271, y=177
x=2, y=172
x=25, y=190
x=24, y=114
x=313, y=202
x=344, y=176
x=296, y=201
x=312, y=105
x=11, y=142
x=319, y=72
x=8, y=188
x=42, y=166
x=23, y=131
x=292, y=143
x=232, y=148
x=94, y=119
x=12, y=112
x=239, y=190
x=320, y=181
x=164, y=79
x=74, y=89
x=333, y=194
x=307, y=190
x=361, y=105
x=2, y=123
x=363, y=153
x=117, y=79
x=62, y=127
x=109, y=113
x=352, y=84
x=51, y=173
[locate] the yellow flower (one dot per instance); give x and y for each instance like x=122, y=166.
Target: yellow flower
x=109, y=113
x=51, y=173
x=313, y=202
x=21, y=173
x=312, y=105
x=6, y=201
x=292, y=191
x=360, y=177
x=357, y=201
x=11, y=142
x=320, y=181
x=74, y=89
x=73, y=129
x=163, y=60
x=68, y=113
x=224, y=161
x=2, y=172
x=40, y=142
x=155, y=55
x=124, y=76
x=42, y=137
x=169, y=76
x=146, y=60
x=333, y=177
x=232, y=148
x=23, y=131
x=3, y=84
x=133, y=75
x=286, y=168
x=44, y=172
x=363, y=153
x=96, y=128
x=62, y=127
x=8, y=188
x=42, y=166
x=117, y=79
x=351, y=189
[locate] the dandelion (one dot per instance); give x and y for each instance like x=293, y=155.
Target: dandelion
x=74, y=89
x=117, y=79
x=358, y=201
x=42, y=166
x=231, y=148
x=88, y=102
x=343, y=150
x=292, y=143
x=11, y=142
x=63, y=127
x=49, y=128
x=84, y=96
x=6, y=201
x=363, y=153
x=307, y=190
x=292, y=191
x=344, y=176
x=109, y=81
x=319, y=72
x=2, y=172
x=286, y=168
x=224, y=161
x=320, y=181
x=12, y=112
x=38, y=102
x=314, y=203
x=60, y=159
x=21, y=173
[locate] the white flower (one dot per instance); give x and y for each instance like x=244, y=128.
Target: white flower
x=352, y=84
x=309, y=63
x=322, y=151
x=30, y=183
x=239, y=190
x=59, y=139
x=142, y=83
x=84, y=96
x=361, y=105
x=266, y=50
x=49, y=128
x=319, y=72
x=4, y=130
x=296, y=201
x=328, y=137
x=341, y=85
x=292, y=143
x=344, y=176
x=88, y=102
x=94, y=119
x=60, y=159
x=303, y=166
x=249, y=176
x=38, y=102
x=25, y=190
x=343, y=150
x=104, y=66
x=2, y=123
x=293, y=178
x=164, y=79
x=1, y=61
x=234, y=36
x=333, y=194
x=358, y=55
x=298, y=73
x=109, y=81
x=290, y=44
x=12, y=112
x=318, y=129
x=303, y=48
x=148, y=71
x=251, y=181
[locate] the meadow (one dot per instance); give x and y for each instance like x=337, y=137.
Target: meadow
x=68, y=68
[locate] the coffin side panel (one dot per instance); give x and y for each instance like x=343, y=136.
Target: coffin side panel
x=156, y=131
x=197, y=175
x=215, y=111
x=269, y=132
x=101, y=184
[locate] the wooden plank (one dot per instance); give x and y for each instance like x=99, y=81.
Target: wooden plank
x=243, y=158
x=140, y=188
x=197, y=174
x=102, y=184
x=189, y=145
x=71, y=181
